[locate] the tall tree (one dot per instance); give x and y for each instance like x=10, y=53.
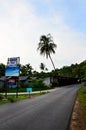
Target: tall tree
x=26, y=70
x=46, y=46
x=2, y=69
x=29, y=69
x=42, y=66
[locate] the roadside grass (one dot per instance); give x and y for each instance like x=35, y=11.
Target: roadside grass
x=82, y=98
x=82, y=101
x=5, y=101
x=13, y=98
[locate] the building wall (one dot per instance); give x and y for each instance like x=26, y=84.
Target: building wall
x=47, y=81
x=1, y=84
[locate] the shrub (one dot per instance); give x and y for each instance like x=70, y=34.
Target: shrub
x=38, y=85
x=11, y=99
x=1, y=96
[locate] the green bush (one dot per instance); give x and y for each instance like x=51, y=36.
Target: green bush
x=1, y=96
x=38, y=85
x=11, y=99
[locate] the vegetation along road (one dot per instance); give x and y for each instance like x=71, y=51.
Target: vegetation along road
x=51, y=111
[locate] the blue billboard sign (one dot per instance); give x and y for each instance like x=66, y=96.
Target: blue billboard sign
x=12, y=71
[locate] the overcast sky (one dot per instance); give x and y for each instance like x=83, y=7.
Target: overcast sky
x=22, y=22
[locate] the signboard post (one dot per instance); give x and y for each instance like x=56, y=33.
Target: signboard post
x=29, y=90
x=12, y=71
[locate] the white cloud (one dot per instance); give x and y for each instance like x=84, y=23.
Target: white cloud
x=21, y=28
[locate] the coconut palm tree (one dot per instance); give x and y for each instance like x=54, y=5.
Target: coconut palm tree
x=46, y=46
x=42, y=66
x=26, y=70
x=2, y=69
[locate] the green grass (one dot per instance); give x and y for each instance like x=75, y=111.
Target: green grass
x=11, y=99
x=82, y=100
x=4, y=102
x=13, y=90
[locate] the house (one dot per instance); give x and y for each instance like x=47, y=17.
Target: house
x=47, y=81
x=24, y=81
x=12, y=81
x=51, y=81
x=2, y=81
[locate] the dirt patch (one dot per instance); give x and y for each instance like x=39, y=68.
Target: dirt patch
x=77, y=120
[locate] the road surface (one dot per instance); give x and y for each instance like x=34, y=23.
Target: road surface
x=51, y=111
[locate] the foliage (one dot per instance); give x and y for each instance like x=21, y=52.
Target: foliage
x=46, y=46
x=2, y=69
x=37, y=84
x=75, y=70
x=82, y=100
x=1, y=96
x=26, y=70
x=13, y=90
x=11, y=99
x=42, y=66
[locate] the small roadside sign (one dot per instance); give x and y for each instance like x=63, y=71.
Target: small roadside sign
x=29, y=90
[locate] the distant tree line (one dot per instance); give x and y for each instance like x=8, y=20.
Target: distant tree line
x=74, y=70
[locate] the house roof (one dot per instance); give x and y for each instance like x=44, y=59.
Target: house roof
x=21, y=78
x=2, y=78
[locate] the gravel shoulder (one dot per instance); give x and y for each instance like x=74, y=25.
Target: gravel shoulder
x=77, y=120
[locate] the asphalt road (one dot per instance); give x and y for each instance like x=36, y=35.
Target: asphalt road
x=51, y=111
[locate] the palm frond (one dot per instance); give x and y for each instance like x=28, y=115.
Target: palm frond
x=46, y=45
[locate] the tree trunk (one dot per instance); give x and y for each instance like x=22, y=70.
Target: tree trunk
x=52, y=62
